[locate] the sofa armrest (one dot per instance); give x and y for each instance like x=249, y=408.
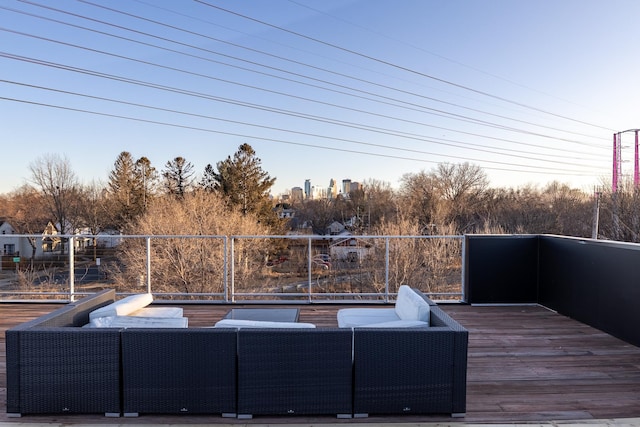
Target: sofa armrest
x=461, y=344
x=72, y=314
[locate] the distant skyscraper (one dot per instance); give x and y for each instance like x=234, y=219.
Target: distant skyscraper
x=333, y=189
x=319, y=193
x=346, y=187
x=297, y=194
x=307, y=189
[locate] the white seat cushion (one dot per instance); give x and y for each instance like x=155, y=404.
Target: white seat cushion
x=139, y=322
x=237, y=323
x=158, y=312
x=352, y=317
x=397, y=324
x=123, y=307
x=411, y=306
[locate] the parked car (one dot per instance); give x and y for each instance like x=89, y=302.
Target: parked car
x=322, y=261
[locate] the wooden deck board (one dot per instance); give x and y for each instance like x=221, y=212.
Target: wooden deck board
x=526, y=364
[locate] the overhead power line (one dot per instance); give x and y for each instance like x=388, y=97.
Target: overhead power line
x=429, y=110
x=262, y=89
x=417, y=137
x=577, y=158
x=400, y=67
x=534, y=169
x=308, y=134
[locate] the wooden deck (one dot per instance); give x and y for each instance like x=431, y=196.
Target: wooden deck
x=526, y=364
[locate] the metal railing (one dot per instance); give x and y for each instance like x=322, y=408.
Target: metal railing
x=231, y=269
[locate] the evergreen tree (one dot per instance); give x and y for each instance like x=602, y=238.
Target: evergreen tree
x=242, y=182
x=178, y=176
x=126, y=190
x=149, y=179
x=208, y=181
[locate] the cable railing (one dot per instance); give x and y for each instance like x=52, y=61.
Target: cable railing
x=262, y=269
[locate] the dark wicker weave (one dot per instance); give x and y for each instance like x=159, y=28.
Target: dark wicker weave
x=411, y=370
x=460, y=350
x=54, y=366
x=294, y=371
x=179, y=371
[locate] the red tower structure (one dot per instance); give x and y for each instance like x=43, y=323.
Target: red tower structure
x=617, y=160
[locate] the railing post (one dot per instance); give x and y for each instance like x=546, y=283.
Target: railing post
x=225, y=270
x=309, y=275
x=463, y=269
x=233, y=271
x=72, y=270
x=386, y=269
x=148, y=239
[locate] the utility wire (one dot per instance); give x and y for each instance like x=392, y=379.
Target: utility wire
x=208, y=117
x=266, y=108
x=253, y=137
x=422, y=49
x=253, y=87
x=306, y=99
x=379, y=130
x=430, y=110
x=399, y=67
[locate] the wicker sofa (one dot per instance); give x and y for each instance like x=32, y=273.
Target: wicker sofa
x=56, y=366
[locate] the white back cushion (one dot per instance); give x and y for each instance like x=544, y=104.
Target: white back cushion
x=352, y=317
x=123, y=307
x=411, y=306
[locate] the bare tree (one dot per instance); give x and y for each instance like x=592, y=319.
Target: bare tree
x=53, y=175
x=380, y=203
x=418, y=198
x=188, y=264
x=460, y=188
x=570, y=210
x=25, y=209
x=318, y=214
x=431, y=264
x=620, y=218
x=94, y=210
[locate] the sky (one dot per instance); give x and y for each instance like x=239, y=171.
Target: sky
x=531, y=91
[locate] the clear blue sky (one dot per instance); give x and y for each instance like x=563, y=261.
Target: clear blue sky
x=531, y=90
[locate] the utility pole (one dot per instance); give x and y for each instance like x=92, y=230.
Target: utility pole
x=596, y=214
x=618, y=175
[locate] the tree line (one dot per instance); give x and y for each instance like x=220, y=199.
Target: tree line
x=449, y=199
x=54, y=193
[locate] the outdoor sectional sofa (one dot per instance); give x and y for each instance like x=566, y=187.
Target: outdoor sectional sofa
x=56, y=366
